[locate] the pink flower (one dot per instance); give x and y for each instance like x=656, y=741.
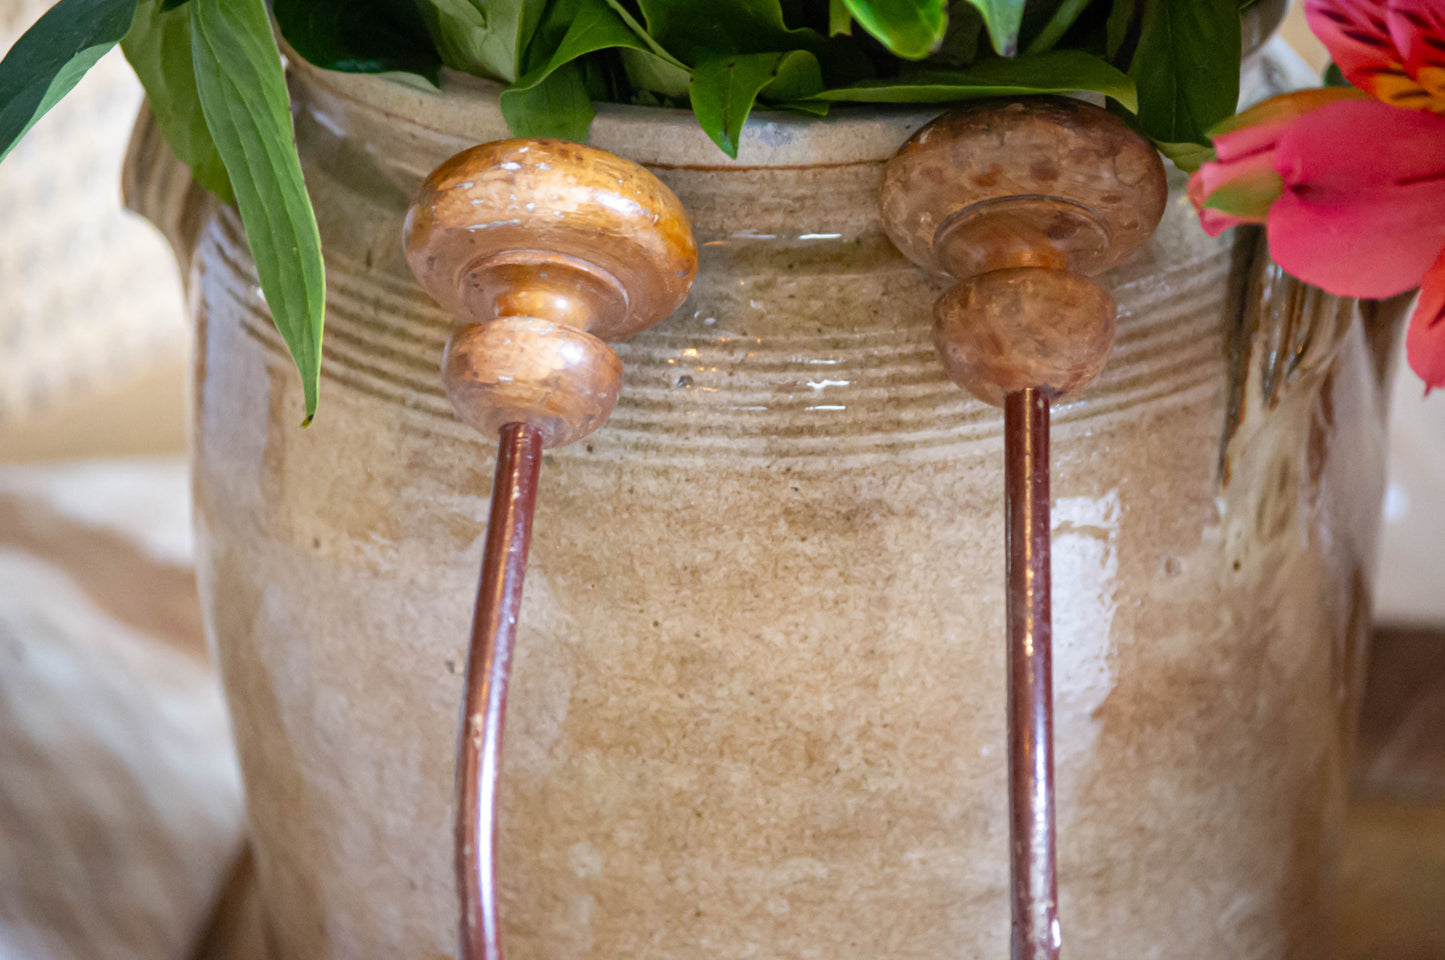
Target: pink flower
x=1241, y=183
x=1394, y=49
x=1351, y=189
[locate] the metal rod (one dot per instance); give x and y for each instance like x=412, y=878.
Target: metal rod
x=1033, y=873
x=494, y=626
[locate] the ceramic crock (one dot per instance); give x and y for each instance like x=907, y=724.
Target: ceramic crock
x=757, y=709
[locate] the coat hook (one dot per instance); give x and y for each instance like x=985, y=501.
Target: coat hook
x=543, y=249
x=1021, y=202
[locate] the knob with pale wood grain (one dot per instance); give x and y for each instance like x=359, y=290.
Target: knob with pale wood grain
x=543, y=249
x=1021, y=202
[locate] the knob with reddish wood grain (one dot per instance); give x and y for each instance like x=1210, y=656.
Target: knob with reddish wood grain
x=1021, y=203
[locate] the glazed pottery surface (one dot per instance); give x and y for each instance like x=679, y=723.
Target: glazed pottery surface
x=758, y=701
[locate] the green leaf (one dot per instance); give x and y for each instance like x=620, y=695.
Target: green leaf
x=657, y=49
x=960, y=40
x=840, y=18
x=484, y=37
x=1120, y=22
x=1002, y=17
x=243, y=94
x=1188, y=157
x=724, y=89
x=910, y=28
x=158, y=47
x=813, y=108
x=797, y=75
x=697, y=30
x=1186, y=67
x=596, y=25
x=557, y=105
x=1059, y=71
x=541, y=103
x=649, y=73
x=50, y=58
x=1053, y=31
x=359, y=36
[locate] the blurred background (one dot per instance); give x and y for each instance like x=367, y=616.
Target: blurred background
x=120, y=805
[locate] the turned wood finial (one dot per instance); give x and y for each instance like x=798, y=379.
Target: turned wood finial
x=543, y=249
x=1021, y=202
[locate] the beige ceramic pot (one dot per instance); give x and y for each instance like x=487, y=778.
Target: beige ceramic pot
x=758, y=704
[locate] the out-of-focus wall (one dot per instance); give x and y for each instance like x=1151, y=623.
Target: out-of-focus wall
x=90, y=303
x=1297, y=32
x=1410, y=581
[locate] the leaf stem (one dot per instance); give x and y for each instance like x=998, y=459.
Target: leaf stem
x=1057, y=26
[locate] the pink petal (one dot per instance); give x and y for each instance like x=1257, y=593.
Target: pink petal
x=1355, y=143
x=1214, y=174
x=1196, y=191
x=1259, y=127
x=1357, y=34
x=1363, y=210
x=1216, y=222
x=1417, y=29
x=1425, y=340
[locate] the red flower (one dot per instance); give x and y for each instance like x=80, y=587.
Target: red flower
x=1351, y=189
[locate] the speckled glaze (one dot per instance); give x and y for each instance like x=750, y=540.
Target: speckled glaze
x=757, y=708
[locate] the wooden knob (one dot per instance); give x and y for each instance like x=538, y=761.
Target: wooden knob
x=1021, y=201
x=543, y=249
x=562, y=381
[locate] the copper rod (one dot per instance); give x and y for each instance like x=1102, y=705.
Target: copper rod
x=1032, y=868
x=489, y=660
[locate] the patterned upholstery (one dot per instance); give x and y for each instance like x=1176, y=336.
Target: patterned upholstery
x=88, y=293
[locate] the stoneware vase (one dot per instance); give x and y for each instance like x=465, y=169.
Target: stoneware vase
x=757, y=709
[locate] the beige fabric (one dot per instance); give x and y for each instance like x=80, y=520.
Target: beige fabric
x=120, y=807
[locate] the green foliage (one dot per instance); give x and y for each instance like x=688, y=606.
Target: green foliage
x=1056, y=26
x=50, y=58
x=359, y=36
x=550, y=100
x=1188, y=157
x=910, y=28
x=960, y=45
x=243, y=95
x=724, y=89
x=1002, y=17
x=1186, y=67
x=1121, y=23
x=695, y=30
x=158, y=47
x=214, y=79
x=1060, y=71
x=485, y=37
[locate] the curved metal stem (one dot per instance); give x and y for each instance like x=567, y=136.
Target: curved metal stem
x=494, y=626
x=1030, y=686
